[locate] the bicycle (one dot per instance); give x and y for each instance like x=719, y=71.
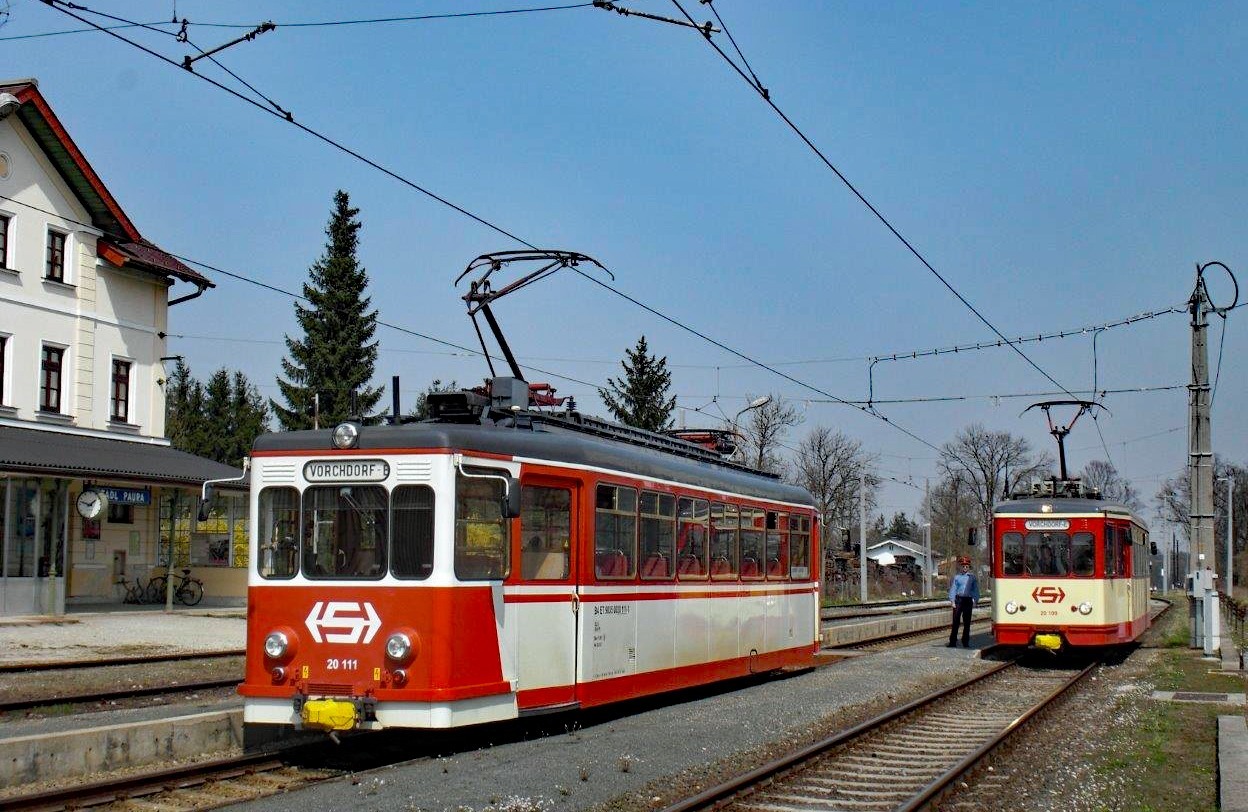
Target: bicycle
x=135, y=592
x=186, y=590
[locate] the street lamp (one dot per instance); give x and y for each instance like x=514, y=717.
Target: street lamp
x=754, y=404
x=1230, y=535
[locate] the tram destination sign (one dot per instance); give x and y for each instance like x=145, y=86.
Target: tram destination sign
x=1047, y=524
x=346, y=471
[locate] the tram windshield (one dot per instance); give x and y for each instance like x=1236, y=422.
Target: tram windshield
x=1047, y=554
x=337, y=532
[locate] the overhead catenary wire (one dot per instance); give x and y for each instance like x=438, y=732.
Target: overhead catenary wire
x=316, y=23
x=68, y=8
x=766, y=97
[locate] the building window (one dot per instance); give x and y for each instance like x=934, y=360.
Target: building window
x=5, y=221
x=55, y=269
x=121, y=391
x=4, y=346
x=120, y=513
x=50, y=379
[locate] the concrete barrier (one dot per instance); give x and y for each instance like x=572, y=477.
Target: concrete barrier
x=849, y=634
x=75, y=753
x=1232, y=764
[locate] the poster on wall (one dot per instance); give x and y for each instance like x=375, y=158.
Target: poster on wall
x=91, y=529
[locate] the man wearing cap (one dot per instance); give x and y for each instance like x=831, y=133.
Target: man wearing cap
x=963, y=594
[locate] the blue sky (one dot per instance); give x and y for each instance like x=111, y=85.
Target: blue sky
x=1061, y=165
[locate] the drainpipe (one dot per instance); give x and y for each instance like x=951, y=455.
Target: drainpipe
x=199, y=291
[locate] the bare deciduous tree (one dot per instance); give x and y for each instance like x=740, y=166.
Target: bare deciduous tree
x=767, y=426
x=1174, y=505
x=830, y=466
x=951, y=507
x=982, y=461
x=1113, y=486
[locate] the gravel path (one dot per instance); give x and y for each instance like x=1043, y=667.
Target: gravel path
x=118, y=634
x=642, y=759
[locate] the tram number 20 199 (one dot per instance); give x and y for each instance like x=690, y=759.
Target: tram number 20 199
x=334, y=664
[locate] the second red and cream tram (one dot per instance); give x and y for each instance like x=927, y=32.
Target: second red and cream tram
x=1070, y=570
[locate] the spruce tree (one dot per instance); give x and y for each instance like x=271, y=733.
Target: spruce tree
x=337, y=353
x=640, y=397
x=219, y=420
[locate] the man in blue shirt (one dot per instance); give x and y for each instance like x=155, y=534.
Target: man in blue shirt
x=963, y=594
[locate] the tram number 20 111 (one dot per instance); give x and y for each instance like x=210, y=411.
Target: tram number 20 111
x=335, y=664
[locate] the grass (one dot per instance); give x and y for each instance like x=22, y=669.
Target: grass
x=1168, y=752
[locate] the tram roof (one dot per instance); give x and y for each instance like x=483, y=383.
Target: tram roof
x=548, y=441
x=1065, y=505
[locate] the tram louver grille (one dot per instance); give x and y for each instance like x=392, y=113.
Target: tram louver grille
x=328, y=689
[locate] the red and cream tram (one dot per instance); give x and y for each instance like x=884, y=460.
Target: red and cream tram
x=498, y=560
x=1071, y=570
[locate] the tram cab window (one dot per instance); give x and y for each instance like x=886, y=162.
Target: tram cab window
x=345, y=533
x=1047, y=554
x=752, y=549
x=777, y=545
x=615, y=531
x=277, y=537
x=411, y=528
x=482, y=534
x=725, y=525
x=692, y=538
x=1012, y=554
x=1083, y=555
x=545, y=532
x=658, y=535
x=799, y=546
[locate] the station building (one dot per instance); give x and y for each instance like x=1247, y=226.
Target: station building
x=91, y=492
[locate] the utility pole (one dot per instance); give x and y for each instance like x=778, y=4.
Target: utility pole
x=1229, y=581
x=927, y=540
x=1203, y=611
x=862, y=540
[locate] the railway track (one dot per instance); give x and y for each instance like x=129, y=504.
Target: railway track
x=205, y=785
x=904, y=759
x=80, y=682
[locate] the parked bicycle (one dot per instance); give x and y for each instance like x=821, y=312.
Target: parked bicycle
x=135, y=592
x=186, y=590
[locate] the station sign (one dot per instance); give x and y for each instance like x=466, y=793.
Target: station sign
x=346, y=470
x=1047, y=524
x=127, y=496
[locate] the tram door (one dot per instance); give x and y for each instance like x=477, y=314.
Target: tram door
x=546, y=601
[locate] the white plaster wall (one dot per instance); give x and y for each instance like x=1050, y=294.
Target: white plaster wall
x=101, y=313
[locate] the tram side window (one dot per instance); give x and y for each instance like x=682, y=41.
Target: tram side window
x=277, y=553
x=615, y=531
x=1111, y=551
x=692, y=539
x=1141, y=552
x=546, y=531
x=1012, y=554
x=1083, y=555
x=752, y=550
x=1047, y=554
x=658, y=534
x=482, y=535
x=344, y=534
x=777, y=545
x=411, y=528
x=725, y=524
x=799, y=546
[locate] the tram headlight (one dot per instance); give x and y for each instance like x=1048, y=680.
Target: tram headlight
x=1011, y=608
x=399, y=647
x=1085, y=608
x=346, y=435
x=276, y=645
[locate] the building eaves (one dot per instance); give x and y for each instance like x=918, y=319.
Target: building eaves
x=49, y=453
